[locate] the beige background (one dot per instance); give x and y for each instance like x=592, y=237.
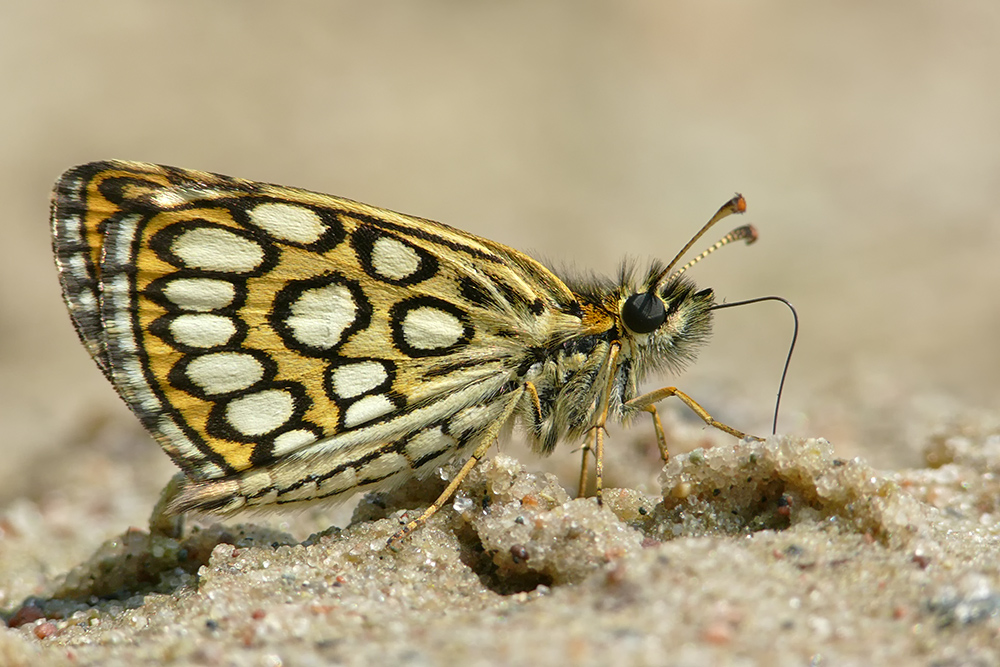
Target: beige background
x=865, y=136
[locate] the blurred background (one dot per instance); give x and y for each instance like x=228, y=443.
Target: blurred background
x=865, y=137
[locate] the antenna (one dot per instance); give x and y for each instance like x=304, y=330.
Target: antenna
x=735, y=205
x=791, y=348
x=747, y=232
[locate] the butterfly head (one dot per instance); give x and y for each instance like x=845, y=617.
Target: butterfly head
x=665, y=325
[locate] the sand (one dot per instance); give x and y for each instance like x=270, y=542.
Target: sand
x=774, y=552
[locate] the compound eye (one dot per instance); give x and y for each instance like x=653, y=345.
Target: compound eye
x=643, y=313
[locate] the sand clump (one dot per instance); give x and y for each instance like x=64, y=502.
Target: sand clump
x=773, y=552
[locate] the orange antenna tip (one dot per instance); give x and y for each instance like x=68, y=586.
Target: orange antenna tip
x=739, y=203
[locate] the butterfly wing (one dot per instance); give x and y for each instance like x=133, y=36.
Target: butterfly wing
x=283, y=345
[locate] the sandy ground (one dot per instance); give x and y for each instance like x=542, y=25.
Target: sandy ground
x=865, y=139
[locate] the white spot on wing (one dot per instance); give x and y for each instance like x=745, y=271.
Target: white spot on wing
x=320, y=315
x=253, y=482
x=427, y=328
x=214, y=249
x=393, y=259
x=118, y=239
x=267, y=498
x=118, y=286
x=210, y=470
x=346, y=480
x=85, y=301
x=168, y=199
x=202, y=330
x=389, y=463
x=200, y=294
x=353, y=380
x=292, y=440
x=288, y=222
x=182, y=194
x=256, y=414
x=366, y=409
x=119, y=325
x=430, y=441
x=78, y=267
x=223, y=372
x=72, y=230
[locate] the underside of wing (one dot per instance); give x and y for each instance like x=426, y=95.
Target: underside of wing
x=77, y=240
x=301, y=343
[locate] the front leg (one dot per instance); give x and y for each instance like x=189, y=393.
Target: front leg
x=661, y=439
x=646, y=403
x=588, y=446
x=596, y=433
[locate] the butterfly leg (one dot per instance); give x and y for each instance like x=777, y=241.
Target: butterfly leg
x=646, y=401
x=599, y=462
x=661, y=439
x=401, y=535
x=489, y=437
x=587, y=448
x=598, y=429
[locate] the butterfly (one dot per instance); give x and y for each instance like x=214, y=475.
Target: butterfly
x=284, y=346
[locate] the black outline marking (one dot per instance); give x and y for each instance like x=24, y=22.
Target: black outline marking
x=263, y=452
x=334, y=235
x=397, y=400
x=160, y=327
x=363, y=241
x=124, y=191
x=155, y=291
x=399, y=311
x=161, y=242
x=472, y=292
x=505, y=297
x=365, y=481
x=114, y=190
x=407, y=230
x=150, y=419
x=179, y=379
x=512, y=296
x=218, y=426
x=319, y=479
x=449, y=368
x=282, y=309
x=432, y=456
x=211, y=505
x=437, y=453
x=381, y=388
x=471, y=432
